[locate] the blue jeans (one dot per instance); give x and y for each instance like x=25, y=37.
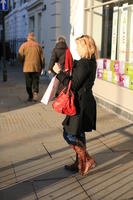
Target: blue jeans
x=72, y=139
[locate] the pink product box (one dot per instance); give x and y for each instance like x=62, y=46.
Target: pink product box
x=118, y=78
x=121, y=80
x=100, y=73
x=106, y=64
x=122, y=67
x=100, y=64
x=117, y=66
x=109, y=76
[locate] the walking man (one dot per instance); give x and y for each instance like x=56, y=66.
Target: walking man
x=32, y=56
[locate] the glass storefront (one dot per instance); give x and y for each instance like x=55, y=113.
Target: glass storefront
x=112, y=29
x=113, y=22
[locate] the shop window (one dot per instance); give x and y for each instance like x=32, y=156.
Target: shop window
x=112, y=30
x=113, y=24
x=100, y=2
x=39, y=27
x=31, y=24
x=14, y=4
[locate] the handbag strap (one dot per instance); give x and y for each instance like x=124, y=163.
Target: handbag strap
x=69, y=85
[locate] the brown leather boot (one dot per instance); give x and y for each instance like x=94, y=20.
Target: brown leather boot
x=88, y=165
x=86, y=162
x=81, y=159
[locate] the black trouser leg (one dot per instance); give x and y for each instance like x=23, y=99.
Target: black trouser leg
x=35, y=77
x=28, y=80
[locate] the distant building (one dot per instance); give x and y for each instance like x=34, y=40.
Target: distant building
x=16, y=23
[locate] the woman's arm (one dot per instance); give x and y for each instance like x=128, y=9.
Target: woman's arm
x=79, y=75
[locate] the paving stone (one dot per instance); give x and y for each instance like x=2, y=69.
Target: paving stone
x=108, y=121
x=120, y=140
x=22, y=152
x=94, y=144
x=59, y=150
x=7, y=176
x=28, y=119
x=60, y=189
x=56, y=145
x=23, y=191
x=41, y=168
x=111, y=179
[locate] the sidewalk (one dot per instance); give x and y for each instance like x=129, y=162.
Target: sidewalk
x=33, y=152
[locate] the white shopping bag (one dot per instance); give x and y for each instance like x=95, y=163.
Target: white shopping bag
x=50, y=91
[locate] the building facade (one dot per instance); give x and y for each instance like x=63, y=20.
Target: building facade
x=16, y=25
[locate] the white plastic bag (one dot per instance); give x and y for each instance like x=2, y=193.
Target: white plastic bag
x=50, y=91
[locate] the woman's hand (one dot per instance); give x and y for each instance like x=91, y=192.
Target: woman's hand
x=57, y=68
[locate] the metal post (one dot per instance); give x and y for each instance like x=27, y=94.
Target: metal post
x=4, y=49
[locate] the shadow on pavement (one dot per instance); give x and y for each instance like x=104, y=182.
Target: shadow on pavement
x=43, y=177
x=13, y=93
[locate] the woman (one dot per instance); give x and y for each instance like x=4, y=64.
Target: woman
x=62, y=55
x=83, y=76
x=59, y=55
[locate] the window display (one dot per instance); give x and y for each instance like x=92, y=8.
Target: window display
x=115, y=42
x=117, y=72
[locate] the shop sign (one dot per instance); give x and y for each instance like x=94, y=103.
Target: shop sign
x=131, y=36
x=114, y=33
x=3, y=5
x=123, y=33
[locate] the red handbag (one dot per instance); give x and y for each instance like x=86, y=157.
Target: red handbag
x=64, y=103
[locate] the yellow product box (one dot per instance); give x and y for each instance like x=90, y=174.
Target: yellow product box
x=128, y=68
x=128, y=81
x=115, y=77
x=112, y=62
x=105, y=72
x=131, y=82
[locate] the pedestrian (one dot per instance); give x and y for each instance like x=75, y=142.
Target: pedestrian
x=74, y=127
x=32, y=56
x=62, y=55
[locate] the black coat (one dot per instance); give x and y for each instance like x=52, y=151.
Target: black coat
x=83, y=77
x=58, y=55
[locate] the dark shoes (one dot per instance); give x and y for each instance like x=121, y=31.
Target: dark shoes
x=73, y=167
x=33, y=98
x=30, y=99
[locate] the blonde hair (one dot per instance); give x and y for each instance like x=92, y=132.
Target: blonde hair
x=89, y=46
